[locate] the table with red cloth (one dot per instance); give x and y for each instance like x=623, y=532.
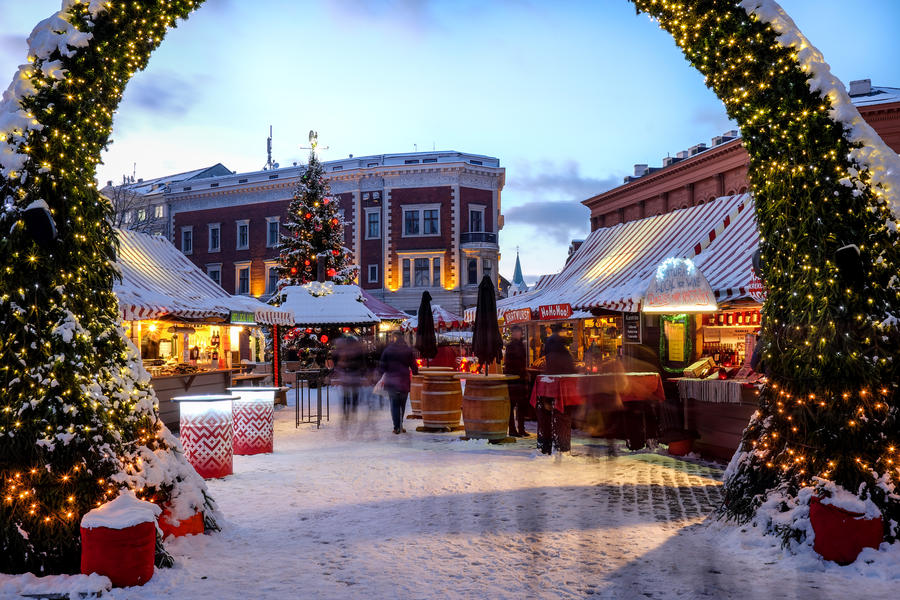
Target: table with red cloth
x=598, y=393
x=578, y=389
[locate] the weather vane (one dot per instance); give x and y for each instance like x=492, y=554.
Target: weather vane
x=314, y=143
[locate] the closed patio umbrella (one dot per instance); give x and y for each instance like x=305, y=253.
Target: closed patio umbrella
x=426, y=340
x=486, y=341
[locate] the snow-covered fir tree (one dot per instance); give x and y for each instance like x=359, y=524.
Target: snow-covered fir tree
x=314, y=227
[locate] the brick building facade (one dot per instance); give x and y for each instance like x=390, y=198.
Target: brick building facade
x=702, y=173
x=427, y=220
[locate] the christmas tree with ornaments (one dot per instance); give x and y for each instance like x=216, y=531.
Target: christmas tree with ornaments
x=314, y=232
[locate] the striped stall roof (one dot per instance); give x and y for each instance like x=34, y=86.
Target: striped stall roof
x=614, y=265
x=158, y=281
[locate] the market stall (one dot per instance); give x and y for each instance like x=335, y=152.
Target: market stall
x=451, y=348
x=190, y=333
x=659, y=323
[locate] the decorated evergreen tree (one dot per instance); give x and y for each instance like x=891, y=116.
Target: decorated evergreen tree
x=78, y=418
x=827, y=190
x=314, y=228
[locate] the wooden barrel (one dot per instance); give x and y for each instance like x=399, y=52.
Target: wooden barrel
x=486, y=407
x=441, y=400
x=415, y=388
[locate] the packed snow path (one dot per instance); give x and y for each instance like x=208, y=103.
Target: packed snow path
x=353, y=511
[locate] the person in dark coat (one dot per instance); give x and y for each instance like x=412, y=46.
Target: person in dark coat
x=515, y=362
x=556, y=354
x=397, y=365
x=349, y=369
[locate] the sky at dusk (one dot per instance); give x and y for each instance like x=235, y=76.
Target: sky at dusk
x=568, y=95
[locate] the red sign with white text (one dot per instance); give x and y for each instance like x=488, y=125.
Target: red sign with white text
x=552, y=312
x=519, y=315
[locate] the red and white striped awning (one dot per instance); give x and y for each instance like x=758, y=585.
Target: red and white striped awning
x=614, y=265
x=158, y=281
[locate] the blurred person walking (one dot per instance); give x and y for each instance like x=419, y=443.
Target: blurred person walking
x=397, y=365
x=349, y=367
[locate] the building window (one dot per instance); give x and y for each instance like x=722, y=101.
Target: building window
x=487, y=268
x=421, y=220
x=242, y=272
x=472, y=271
x=436, y=272
x=187, y=240
x=410, y=222
x=159, y=211
x=215, y=237
x=373, y=225
x=406, y=279
x=476, y=219
x=271, y=279
x=423, y=276
x=272, y=237
x=243, y=235
x=373, y=273
x=431, y=222
x=215, y=273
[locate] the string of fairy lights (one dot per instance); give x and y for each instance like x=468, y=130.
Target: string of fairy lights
x=76, y=416
x=829, y=410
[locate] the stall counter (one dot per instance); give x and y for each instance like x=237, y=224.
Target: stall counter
x=193, y=384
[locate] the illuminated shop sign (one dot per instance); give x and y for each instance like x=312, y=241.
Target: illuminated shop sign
x=678, y=286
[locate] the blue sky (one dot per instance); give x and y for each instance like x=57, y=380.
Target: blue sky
x=569, y=95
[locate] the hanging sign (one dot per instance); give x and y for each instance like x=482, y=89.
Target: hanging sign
x=632, y=323
x=756, y=289
x=519, y=315
x=555, y=312
x=678, y=286
x=240, y=317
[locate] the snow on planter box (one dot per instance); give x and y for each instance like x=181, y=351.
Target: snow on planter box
x=843, y=523
x=118, y=540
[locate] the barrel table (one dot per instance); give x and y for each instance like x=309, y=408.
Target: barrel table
x=485, y=406
x=206, y=433
x=441, y=400
x=415, y=390
x=254, y=419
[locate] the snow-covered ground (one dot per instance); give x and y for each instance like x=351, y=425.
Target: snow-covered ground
x=354, y=511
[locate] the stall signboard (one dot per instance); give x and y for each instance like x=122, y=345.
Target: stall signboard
x=632, y=322
x=555, y=312
x=240, y=317
x=519, y=315
x=678, y=286
x=756, y=289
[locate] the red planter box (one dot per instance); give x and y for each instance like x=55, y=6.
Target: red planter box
x=123, y=555
x=840, y=534
x=193, y=525
x=681, y=447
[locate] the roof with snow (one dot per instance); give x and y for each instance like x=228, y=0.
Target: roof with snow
x=383, y=310
x=147, y=186
x=159, y=282
x=327, y=304
x=614, y=266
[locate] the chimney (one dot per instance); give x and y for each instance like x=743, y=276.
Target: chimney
x=109, y=183
x=682, y=155
x=694, y=150
x=860, y=87
x=639, y=170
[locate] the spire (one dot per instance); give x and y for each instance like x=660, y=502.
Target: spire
x=518, y=281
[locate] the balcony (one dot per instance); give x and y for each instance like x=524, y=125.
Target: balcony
x=478, y=237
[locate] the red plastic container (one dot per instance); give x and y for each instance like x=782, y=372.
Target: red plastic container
x=840, y=534
x=193, y=525
x=681, y=447
x=123, y=555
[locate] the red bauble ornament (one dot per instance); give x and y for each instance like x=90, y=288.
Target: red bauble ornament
x=318, y=228
x=334, y=222
x=331, y=272
x=306, y=262
x=309, y=330
x=335, y=252
x=324, y=339
x=325, y=201
x=293, y=270
x=308, y=215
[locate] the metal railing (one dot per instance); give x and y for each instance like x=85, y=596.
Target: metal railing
x=484, y=237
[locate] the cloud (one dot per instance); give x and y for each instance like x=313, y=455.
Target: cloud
x=714, y=117
x=560, y=181
x=561, y=221
x=166, y=93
